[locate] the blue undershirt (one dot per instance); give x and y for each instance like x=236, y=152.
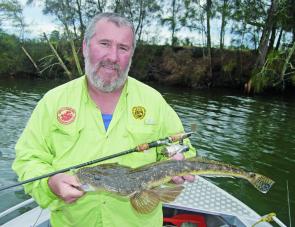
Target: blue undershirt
x=107, y=120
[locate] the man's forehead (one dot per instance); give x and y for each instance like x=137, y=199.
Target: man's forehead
x=108, y=21
x=104, y=28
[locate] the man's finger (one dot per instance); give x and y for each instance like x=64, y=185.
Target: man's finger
x=189, y=178
x=178, y=180
x=71, y=192
x=72, y=180
x=178, y=156
x=77, y=193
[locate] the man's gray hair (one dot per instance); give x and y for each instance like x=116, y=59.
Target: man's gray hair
x=112, y=17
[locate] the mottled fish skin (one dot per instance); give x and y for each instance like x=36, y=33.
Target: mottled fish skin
x=141, y=184
x=126, y=181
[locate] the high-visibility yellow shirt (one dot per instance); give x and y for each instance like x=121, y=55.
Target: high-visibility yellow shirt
x=66, y=129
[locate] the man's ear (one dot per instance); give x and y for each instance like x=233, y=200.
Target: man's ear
x=84, y=46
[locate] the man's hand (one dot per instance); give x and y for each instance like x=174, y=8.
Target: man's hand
x=179, y=179
x=65, y=187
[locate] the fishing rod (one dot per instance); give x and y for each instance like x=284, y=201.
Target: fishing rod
x=140, y=148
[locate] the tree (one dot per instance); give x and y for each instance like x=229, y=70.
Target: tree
x=9, y=56
x=12, y=11
x=171, y=17
x=93, y=7
x=70, y=13
x=224, y=10
x=140, y=12
x=194, y=19
x=208, y=14
x=264, y=41
x=248, y=17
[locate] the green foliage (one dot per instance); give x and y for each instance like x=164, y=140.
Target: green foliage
x=13, y=61
x=54, y=36
x=11, y=12
x=277, y=71
x=260, y=82
x=10, y=59
x=229, y=67
x=143, y=59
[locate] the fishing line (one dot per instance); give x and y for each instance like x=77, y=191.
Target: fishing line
x=38, y=218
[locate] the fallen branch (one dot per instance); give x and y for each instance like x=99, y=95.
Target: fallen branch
x=69, y=74
x=31, y=59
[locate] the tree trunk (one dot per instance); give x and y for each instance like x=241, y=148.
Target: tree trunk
x=223, y=23
x=140, y=17
x=279, y=39
x=263, y=45
x=208, y=12
x=287, y=62
x=62, y=64
x=272, y=37
x=31, y=59
x=140, y=28
x=173, y=24
x=79, y=11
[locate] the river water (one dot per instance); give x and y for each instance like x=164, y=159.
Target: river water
x=256, y=133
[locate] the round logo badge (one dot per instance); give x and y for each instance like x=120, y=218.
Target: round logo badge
x=138, y=112
x=66, y=115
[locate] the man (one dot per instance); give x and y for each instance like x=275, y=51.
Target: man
x=100, y=114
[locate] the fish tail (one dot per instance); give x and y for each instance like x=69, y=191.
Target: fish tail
x=262, y=183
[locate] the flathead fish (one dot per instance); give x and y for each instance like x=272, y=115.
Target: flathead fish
x=142, y=184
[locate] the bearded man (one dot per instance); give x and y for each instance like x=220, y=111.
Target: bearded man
x=96, y=115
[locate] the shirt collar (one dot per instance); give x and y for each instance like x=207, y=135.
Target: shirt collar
x=87, y=97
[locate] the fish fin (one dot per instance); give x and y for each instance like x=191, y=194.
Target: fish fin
x=145, y=201
x=168, y=194
x=205, y=160
x=110, y=167
x=260, y=182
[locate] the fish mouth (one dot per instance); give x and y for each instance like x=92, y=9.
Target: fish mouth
x=86, y=188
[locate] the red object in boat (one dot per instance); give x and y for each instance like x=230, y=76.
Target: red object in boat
x=179, y=219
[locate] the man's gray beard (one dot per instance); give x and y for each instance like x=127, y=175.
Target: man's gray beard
x=97, y=82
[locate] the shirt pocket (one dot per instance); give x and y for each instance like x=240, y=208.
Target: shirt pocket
x=141, y=133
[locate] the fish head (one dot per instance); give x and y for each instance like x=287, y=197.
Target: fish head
x=93, y=181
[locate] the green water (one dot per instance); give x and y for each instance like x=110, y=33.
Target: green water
x=256, y=133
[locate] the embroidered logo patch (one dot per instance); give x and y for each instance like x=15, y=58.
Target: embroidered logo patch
x=66, y=115
x=138, y=112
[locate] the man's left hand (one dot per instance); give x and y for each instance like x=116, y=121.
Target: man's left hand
x=181, y=179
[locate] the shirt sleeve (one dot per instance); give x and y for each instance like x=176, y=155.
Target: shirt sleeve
x=34, y=156
x=173, y=125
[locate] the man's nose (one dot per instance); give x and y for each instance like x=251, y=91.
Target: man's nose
x=113, y=54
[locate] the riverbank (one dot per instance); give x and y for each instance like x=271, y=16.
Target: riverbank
x=184, y=66
x=190, y=67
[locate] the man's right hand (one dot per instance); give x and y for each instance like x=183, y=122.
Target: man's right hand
x=65, y=187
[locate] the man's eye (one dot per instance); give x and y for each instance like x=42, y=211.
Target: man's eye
x=105, y=44
x=123, y=48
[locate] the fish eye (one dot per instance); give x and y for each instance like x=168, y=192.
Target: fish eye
x=97, y=177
